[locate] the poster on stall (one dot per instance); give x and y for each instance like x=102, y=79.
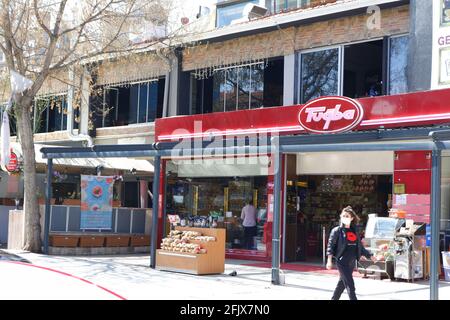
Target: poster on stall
x=96, y=202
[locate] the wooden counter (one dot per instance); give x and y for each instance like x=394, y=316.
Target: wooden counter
x=211, y=262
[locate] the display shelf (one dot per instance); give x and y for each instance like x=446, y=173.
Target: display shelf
x=211, y=262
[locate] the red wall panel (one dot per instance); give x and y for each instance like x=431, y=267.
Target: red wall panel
x=405, y=160
x=416, y=182
x=413, y=168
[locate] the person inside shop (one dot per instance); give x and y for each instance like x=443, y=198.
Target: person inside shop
x=248, y=216
x=344, y=245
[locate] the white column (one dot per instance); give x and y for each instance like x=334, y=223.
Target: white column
x=84, y=105
x=289, y=80
x=173, y=89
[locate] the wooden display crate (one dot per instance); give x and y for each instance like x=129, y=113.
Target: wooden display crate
x=211, y=262
x=64, y=240
x=117, y=241
x=140, y=240
x=92, y=241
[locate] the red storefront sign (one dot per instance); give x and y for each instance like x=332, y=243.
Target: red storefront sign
x=396, y=111
x=330, y=115
x=13, y=164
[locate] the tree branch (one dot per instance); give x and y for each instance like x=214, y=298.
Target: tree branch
x=39, y=19
x=91, y=18
x=62, y=6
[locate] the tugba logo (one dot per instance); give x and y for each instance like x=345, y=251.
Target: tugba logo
x=330, y=115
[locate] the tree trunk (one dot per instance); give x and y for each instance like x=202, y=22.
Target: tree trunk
x=31, y=207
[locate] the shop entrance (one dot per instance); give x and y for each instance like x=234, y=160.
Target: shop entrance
x=314, y=202
x=313, y=205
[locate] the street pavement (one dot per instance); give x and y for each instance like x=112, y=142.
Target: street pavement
x=130, y=277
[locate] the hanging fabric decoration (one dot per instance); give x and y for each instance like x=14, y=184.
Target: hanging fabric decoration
x=18, y=85
x=5, y=134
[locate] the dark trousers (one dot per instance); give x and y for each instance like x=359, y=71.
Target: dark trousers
x=345, y=280
x=249, y=234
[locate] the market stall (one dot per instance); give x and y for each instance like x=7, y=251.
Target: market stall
x=193, y=250
x=399, y=247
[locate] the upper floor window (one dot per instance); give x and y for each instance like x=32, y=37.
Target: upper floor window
x=365, y=69
x=128, y=104
x=50, y=113
x=239, y=88
x=249, y=86
x=398, y=62
x=282, y=5
x=232, y=11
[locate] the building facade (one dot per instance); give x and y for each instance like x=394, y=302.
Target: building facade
x=233, y=58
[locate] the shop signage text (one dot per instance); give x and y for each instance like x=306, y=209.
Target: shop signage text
x=444, y=40
x=330, y=115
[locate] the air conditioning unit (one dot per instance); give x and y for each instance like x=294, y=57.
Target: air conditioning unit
x=251, y=11
x=254, y=11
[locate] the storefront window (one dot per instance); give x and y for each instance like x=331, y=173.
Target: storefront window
x=319, y=74
x=398, y=65
x=228, y=13
x=222, y=199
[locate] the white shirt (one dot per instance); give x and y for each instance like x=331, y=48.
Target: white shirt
x=248, y=214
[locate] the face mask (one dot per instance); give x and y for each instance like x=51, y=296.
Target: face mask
x=346, y=221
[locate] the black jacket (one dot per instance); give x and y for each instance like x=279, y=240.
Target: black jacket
x=338, y=242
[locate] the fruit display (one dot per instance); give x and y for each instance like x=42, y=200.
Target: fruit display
x=179, y=241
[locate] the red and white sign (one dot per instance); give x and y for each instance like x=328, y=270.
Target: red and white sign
x=415, y=109
x=13, y=164
x=331, y=115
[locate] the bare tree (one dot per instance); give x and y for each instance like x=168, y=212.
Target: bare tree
x=43, y=38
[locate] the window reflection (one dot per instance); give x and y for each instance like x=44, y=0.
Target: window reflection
x=319, y=74
x=219, y=92
x=244, y=88
x=248, y=86
x=398, y=65
x=238, y=88
x=257, y=86
x=231, y=89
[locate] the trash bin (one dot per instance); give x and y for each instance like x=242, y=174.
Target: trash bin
x=446, y=264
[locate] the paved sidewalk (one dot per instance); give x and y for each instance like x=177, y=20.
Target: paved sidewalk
x=131, y=277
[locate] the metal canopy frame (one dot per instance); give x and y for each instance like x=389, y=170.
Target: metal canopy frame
x=433, y=139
